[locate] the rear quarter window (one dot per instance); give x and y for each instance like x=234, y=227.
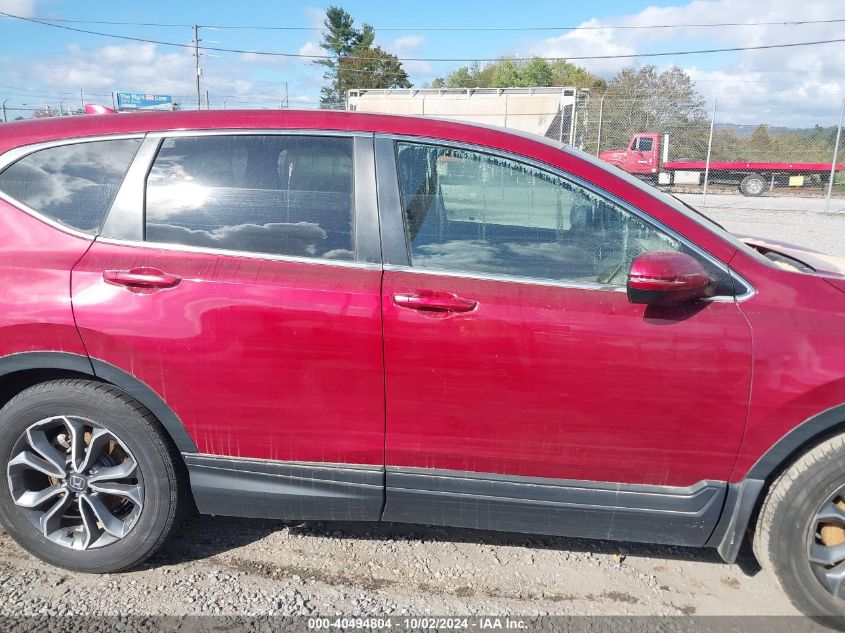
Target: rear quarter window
x=72, y=184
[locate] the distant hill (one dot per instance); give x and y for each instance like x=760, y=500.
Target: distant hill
x=745, y=130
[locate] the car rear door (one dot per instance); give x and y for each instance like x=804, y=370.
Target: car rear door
x=524, y=391
x=238, y=277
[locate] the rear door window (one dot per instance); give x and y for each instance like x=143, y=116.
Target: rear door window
x=72, y=184
x=275, y=194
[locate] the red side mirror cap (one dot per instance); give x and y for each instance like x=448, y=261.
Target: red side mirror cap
x=666, y=278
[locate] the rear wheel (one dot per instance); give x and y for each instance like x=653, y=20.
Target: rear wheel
x=752, y=185
x=800, y=534
x=90, y=481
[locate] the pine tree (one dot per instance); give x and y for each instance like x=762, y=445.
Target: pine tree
x=353, y=60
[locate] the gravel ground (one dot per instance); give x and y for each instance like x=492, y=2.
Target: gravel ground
x=249, y=567
x=797, y=220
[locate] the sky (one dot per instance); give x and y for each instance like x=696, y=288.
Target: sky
x=790, y=86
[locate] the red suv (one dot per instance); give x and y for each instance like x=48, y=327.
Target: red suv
x=316, y=315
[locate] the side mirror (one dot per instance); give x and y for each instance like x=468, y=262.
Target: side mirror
x=663, y=278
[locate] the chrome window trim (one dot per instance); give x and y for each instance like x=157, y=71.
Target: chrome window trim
x=750, y=290
x=534, y=281
x=364, y=213
x=182, y=248
x=16, y=153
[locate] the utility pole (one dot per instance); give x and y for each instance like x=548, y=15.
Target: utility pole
x=197, y=61
x=207, y=101
x=81, y=100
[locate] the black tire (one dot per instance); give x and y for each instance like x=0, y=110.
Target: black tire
x=787, y=528
x=165, y=496
x=752, y=185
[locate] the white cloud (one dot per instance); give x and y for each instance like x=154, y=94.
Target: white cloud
x=267, y=60
x=591, y=41
x=311, y=48
x=789, y=86
x=315, y=16
x=134, y=66
x=406, y=44
x=23, y=8
x=409, y=46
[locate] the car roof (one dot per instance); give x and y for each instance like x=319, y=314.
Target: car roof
x=20, y=133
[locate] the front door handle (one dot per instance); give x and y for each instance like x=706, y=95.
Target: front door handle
x=141, y=278
x=434, y=302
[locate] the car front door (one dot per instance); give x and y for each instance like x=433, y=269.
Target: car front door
x=245, y=293
x=524, y=391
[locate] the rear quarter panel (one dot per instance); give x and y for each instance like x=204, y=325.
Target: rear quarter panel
x=35, y=264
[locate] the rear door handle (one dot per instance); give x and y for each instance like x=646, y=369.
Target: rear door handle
x=141, y=278
x=434, y=302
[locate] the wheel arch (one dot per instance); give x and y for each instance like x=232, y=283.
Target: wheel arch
x=26, y=368
x=744, y=498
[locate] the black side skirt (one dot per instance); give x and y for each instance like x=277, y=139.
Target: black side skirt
x=266, y=489
x=652, y=514
x=338, y=492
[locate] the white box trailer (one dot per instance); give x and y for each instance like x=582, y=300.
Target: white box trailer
x=549, y=112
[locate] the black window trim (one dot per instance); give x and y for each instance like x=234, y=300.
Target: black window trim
x=390, y=203
x=127, y=225
x=12, y=156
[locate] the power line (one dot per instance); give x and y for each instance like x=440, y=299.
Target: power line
x=432, y=59
x=456, y=28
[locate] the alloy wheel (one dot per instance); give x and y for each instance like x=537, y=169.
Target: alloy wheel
x=76, y=482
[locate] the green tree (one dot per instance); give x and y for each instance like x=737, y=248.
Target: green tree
x=371, y=67
x=565, y=73
x=515, y=73
x=506, y=74
x=536, y=72
x=646, y=100
x=354, y=61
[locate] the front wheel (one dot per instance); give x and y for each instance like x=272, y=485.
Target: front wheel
x=800, y=534
x=91, y=483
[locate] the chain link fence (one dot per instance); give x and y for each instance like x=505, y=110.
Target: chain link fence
x=691, y=147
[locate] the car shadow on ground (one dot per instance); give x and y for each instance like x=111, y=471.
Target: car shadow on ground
x=203, y=536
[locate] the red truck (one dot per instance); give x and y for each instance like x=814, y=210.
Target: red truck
x=643, y=158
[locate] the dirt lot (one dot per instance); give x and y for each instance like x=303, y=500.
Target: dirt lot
x=234, y=566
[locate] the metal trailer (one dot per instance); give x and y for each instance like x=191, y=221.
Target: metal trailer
x=550, y=112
